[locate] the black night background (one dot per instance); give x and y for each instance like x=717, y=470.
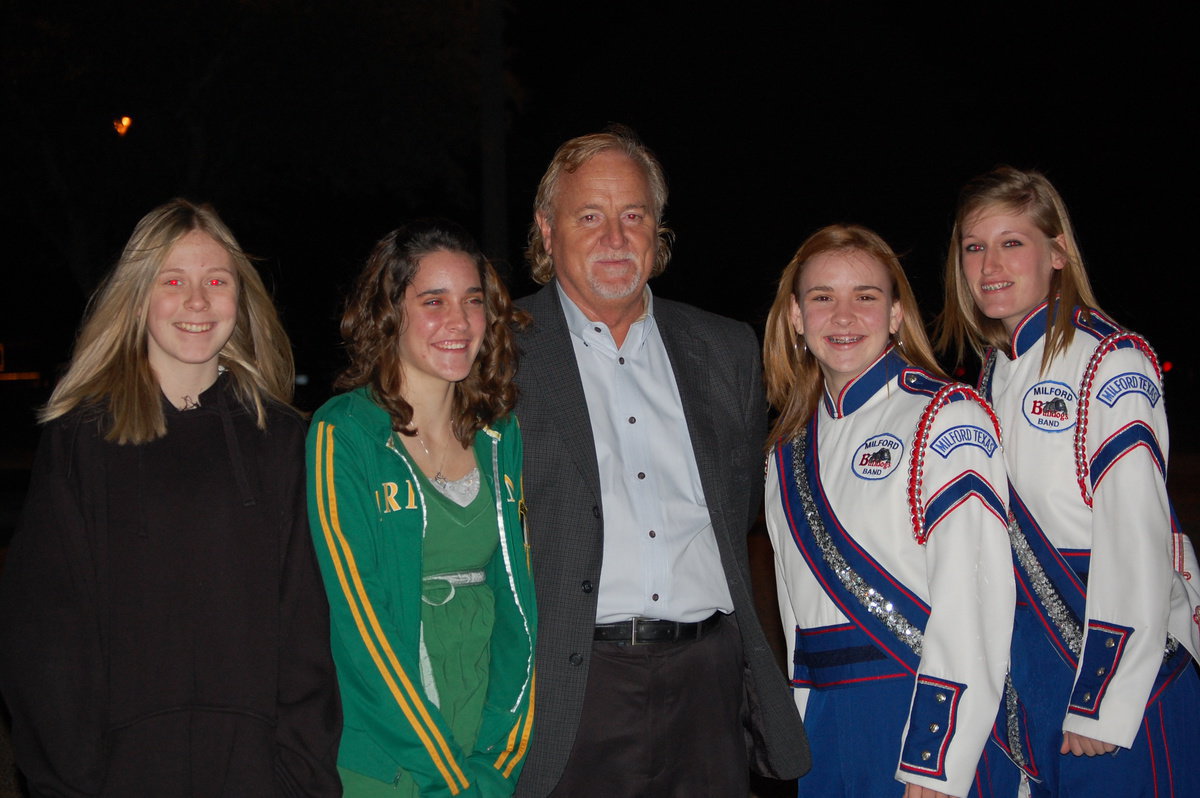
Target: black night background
x=315, y=127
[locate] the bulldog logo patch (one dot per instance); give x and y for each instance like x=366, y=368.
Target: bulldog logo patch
x=878, y=456
x=1050, y=406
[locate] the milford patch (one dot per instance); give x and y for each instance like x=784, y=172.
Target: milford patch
x=878, y=457
x=1050, y=406
x=964, y=435
x=1129, y=382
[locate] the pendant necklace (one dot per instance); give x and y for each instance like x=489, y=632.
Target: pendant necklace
x=439, y=477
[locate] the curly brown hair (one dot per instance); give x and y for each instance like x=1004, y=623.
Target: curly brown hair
x=374, y=319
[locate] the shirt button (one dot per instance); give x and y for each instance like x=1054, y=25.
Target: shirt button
x=621, y=360
x=1109, y=643
x=1087, y=697
x=653, y=534
x=1101, y=671
x=597, y=329
x=934, y=728
x=575, y=659
x=586, y=587
x=940, y=698
x=632, y=420
x=655, y=597
x=596, y=510
x=926, y=755
x=641, y=475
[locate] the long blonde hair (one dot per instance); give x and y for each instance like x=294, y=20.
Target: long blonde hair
x=1020, y=192
x=110, y=368
x=793, y=375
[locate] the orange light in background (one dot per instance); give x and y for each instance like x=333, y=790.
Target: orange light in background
x=122, y=125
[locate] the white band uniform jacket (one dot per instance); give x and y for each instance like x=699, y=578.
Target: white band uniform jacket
x=1132, y=584
x=962, y=574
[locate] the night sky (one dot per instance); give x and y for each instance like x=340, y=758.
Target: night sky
x=315, y=130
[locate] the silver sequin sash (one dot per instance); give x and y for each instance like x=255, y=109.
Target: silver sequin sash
x=1035, y=564
x=878, y=606
x=985, y=374
x=1035, y=561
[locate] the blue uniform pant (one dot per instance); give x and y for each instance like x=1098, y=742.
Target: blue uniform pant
x=855, y=734
x=1164, y=761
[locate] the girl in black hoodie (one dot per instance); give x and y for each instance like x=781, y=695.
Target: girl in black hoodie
x=163, y=629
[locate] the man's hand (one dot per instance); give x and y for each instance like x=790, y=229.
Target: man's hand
x=1079, y=745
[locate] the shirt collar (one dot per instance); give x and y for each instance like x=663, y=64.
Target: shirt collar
x=586, y=329
x=865, y=385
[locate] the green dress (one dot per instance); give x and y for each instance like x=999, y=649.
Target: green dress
x=456, y=622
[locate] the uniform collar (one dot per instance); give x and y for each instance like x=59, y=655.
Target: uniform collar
x=856, y=393
x=1029, y=331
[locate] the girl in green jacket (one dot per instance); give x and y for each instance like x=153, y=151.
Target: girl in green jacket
x=415, y=505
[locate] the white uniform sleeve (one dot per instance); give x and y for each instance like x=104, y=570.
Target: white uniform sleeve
x=781, y=544
x=971, y=595
x=1130, y=574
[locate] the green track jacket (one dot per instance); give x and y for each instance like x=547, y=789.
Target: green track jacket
x=367, y=514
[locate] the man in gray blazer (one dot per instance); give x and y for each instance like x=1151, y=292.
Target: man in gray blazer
x=643, y=422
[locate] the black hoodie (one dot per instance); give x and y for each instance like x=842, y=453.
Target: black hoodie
x=163, y=628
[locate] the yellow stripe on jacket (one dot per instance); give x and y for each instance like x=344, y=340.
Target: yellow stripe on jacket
x=407, y=697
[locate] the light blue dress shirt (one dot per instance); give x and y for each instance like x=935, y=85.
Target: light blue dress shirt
x=660, y=554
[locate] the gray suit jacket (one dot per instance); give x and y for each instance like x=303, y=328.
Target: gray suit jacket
x=716, y=365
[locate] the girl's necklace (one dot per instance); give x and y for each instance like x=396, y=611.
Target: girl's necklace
x=439, y=477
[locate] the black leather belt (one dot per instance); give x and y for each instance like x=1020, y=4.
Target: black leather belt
x=640, y=631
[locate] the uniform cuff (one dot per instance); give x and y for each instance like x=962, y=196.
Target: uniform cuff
x=1101, y=655
x=931, y=725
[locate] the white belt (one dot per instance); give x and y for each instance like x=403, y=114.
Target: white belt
x=455, y=580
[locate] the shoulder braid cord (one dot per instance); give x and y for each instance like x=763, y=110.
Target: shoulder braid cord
x=1082, y=468
x=1107, y=345
x=916, y=463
